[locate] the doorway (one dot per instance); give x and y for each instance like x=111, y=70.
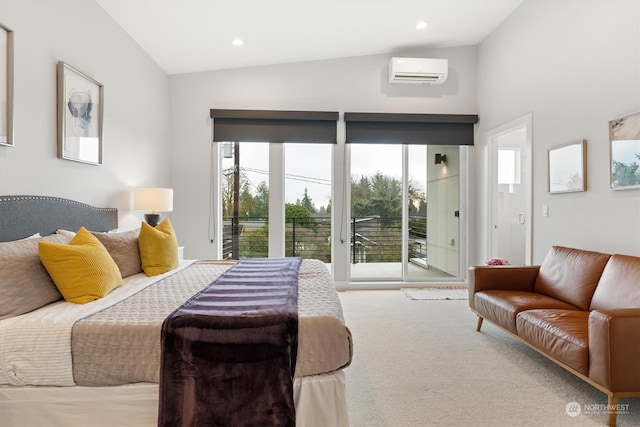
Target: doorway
x=509, y=166
x=404, y=212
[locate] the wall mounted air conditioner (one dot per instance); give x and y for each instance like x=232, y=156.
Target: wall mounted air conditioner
x=418, y=70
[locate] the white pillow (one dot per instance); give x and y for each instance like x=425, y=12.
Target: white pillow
x=25, y=284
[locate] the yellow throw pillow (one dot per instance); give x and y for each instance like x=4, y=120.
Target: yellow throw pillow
x=158, y=248
x=82, y=270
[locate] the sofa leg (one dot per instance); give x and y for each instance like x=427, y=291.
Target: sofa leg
x=613, y=410
x=479, y=324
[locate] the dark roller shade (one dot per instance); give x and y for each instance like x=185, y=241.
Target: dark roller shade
x=274, y=126
x=425, y=129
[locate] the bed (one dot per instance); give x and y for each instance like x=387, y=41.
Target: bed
x=99, y=363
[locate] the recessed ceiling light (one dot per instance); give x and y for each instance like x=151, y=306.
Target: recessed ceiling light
x=421, y=25
x=237, y=42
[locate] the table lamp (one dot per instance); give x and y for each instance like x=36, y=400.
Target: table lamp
x=154, y=200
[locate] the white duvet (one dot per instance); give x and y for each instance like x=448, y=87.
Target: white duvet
x=35, y=348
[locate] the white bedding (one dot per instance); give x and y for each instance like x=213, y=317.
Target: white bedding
x=320, y=402
x=35, y=348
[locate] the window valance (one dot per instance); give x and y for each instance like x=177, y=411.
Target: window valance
x=429, y=129
x=274, y=126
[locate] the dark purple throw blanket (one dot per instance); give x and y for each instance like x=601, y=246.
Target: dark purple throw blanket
x=229, y=353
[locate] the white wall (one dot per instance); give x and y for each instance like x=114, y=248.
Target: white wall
x=136, y=98
x=443, y=227
x=575, y=64
x=354, y=84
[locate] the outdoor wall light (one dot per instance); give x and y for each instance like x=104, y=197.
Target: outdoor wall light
x=441, y=158
x=227, y=150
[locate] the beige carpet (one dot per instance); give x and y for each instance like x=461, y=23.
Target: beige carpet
x=436, y=293
x=421, y=363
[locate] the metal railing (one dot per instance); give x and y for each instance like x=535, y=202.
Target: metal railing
x=373, y=238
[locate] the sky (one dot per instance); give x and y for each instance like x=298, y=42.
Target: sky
x=309, y=165
x=306, y=165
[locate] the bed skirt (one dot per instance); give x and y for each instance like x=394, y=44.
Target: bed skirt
x=320, y=401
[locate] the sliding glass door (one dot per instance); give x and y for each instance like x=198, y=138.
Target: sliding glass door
x=396, y=217
x=376, y=212
x=404, y=204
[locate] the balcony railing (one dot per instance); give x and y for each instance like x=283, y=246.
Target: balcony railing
x=373, y=239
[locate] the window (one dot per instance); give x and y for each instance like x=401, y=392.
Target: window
x=245, y=200
x=402, y=197
x=404, y=213
x=254, y=206
x=376, y=211
x=409, y=228
x=308, y=200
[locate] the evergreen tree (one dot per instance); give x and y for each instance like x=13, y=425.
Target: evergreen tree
x=624, y=174
x=247, y=203
x=262, y=200
x=360, y=197
x=300, y=215
x=386, y=198
x=307, y=203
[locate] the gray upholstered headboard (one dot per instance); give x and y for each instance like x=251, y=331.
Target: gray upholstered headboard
x=22, y=216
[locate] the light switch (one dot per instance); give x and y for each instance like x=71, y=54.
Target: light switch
x=545, y=210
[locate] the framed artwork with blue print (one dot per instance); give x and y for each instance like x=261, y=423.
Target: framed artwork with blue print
x=80, y=112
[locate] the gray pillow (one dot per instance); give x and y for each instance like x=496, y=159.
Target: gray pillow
x=123, y=248
x=25, y=284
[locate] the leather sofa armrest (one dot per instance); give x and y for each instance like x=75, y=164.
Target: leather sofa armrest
x=506, y=277
x=614, y=349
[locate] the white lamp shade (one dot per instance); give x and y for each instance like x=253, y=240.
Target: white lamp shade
x=153, y=199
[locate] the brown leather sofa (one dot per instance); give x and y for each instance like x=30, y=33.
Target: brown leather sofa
x=581, y=309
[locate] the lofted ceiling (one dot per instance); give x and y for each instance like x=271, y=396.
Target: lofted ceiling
x=185, y=36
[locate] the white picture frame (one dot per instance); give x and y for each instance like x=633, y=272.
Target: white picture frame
x=624, y=152
x=567, y=167
x=6, y=87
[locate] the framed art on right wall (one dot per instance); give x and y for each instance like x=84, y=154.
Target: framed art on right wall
x=568, y=167
x=624, y=150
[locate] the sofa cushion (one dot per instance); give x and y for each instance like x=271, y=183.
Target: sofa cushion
x=618, y=286
x=502, y=307
x=562, y=334
x=570, y=275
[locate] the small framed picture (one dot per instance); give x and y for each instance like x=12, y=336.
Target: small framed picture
x=624, y=151
x=80, y=111
x=567, y=167
x=6, y=86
